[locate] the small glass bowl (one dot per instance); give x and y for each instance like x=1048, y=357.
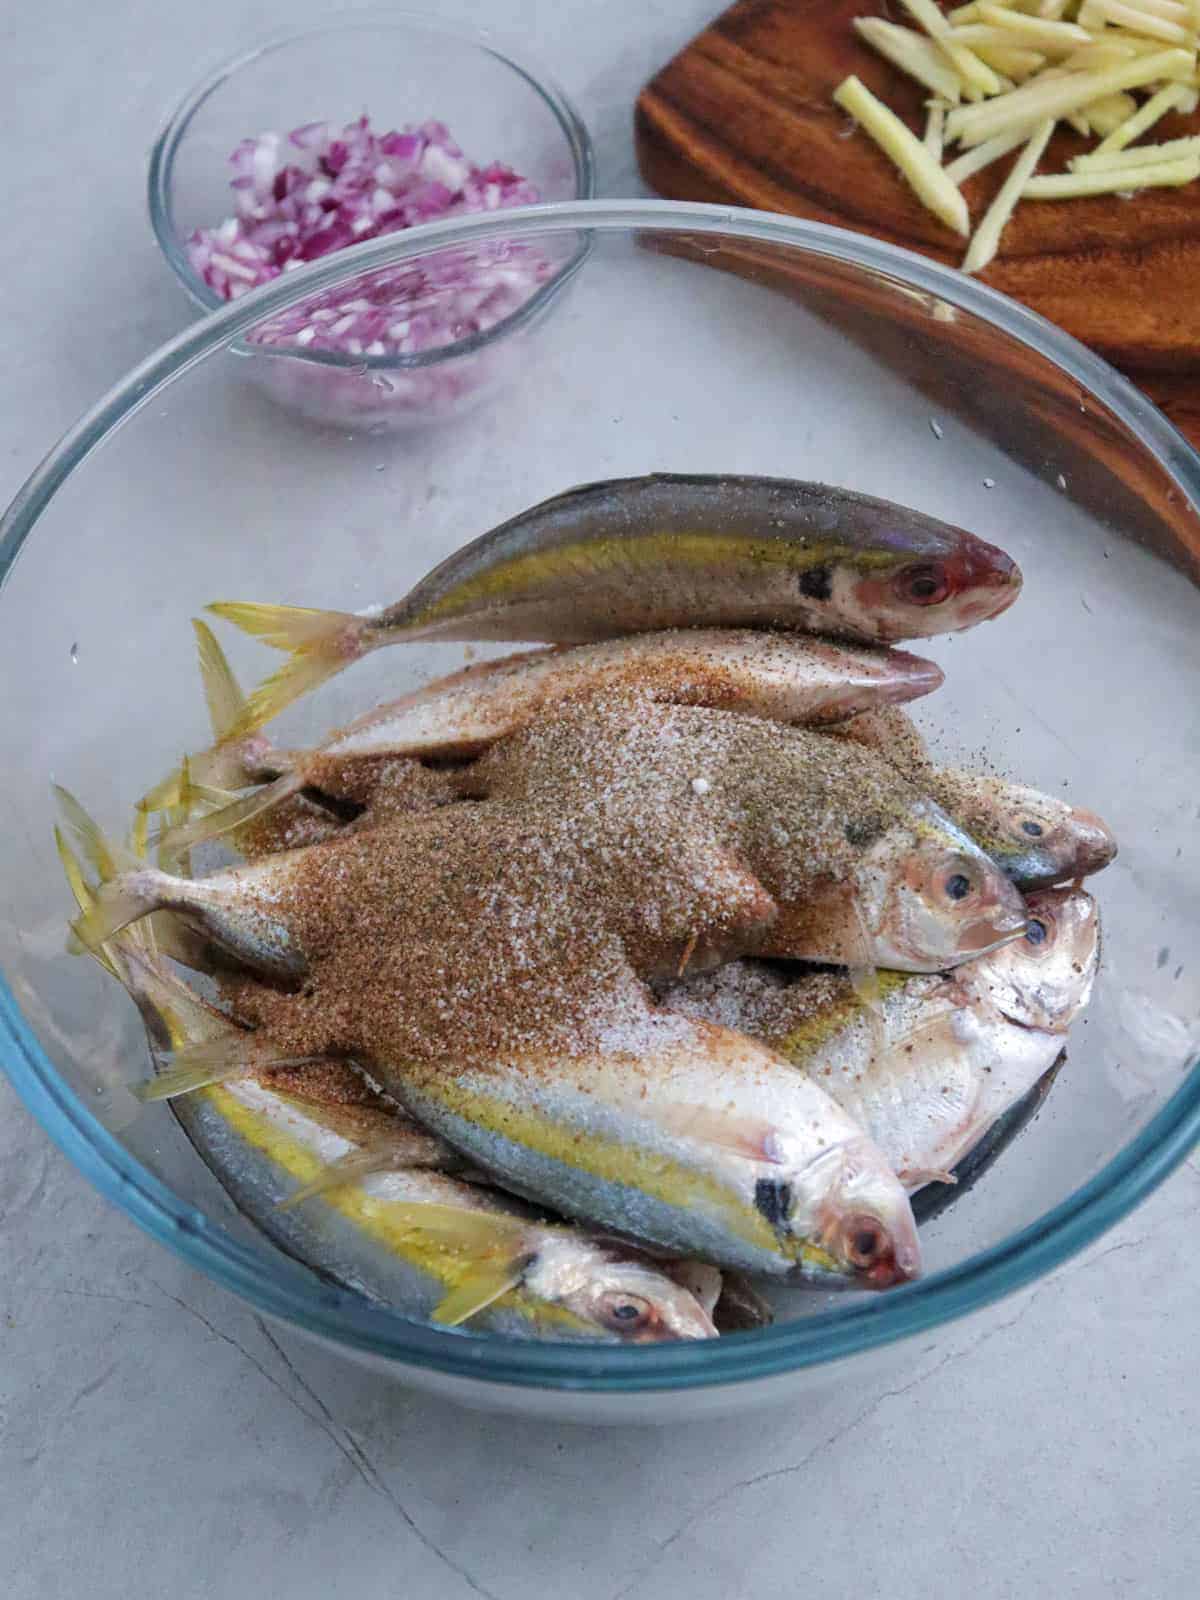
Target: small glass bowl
x=401, y=68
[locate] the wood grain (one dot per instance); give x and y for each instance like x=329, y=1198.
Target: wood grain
x=1034, y=411
x=744, y=115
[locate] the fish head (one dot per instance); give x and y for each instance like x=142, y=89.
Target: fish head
x=702, y=1280
x=931, y=898
x=617, y=1293
x=932, y=582
x=1035, y=839
x=863, y=1223
x=1045, y=979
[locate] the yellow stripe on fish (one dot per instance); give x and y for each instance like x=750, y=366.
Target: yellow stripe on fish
x=589, y=557
x=389, y=1223
x=650, y=1173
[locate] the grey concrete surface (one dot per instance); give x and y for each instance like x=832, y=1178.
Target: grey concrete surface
x=157, y=1438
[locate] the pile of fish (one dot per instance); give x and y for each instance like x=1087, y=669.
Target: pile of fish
x=569, y=994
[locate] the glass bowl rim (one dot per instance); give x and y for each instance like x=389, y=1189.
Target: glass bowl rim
x=166, y=146
x=291, y=1293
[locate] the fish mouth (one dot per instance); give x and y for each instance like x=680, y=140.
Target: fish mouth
x=1002, y=917
x=918, y=677
x=989, y=581
x=991, y=933
x=698, y=1325
x=691, y=1328
x=905, y=1264
x=898, y=1262
x=887, y=1273
x=874, y=1249
x=1095, y=844
x=1082, y=845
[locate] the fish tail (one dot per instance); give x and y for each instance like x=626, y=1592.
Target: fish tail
x=222, y=692
x=118, y=902
x=226, y=707
x=85, y=896
x=174, y=798
x=103, y=855
x=178, y=1015
x=105, y=909
x=184, y=1080
x=199, y=830
x=212, y=1058
x=167, y=934
x=139, y=834
x=164, y=795
x=318, y=644
x=73, y=871
x=175, y=1014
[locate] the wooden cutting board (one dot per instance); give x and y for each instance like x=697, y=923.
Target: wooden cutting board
x=744, y=115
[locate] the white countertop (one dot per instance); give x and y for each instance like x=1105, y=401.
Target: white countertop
x=157, y=1439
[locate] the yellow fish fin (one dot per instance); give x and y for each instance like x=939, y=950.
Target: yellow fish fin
x=184, y=1021
x=139, y=833
x=473, y=1232
x=164, y=795
x=382, y=1156
x=176, y=1081
x=173, y=853
x=104, y=856
x=222, y=692
x=482, y=1285
x=199, y=1064
x=73, y=871
x=318, y=643
x=118, y=903
x=185, y=1018
x=215, y=824
x=85, y=896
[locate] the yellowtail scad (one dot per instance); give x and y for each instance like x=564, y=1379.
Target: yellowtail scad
x=947, y=1055
x=419, y=1240
x=789, y=678
x=1035, y=839
x=639, y=555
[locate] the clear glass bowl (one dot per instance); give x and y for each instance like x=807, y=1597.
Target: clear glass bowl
x=400, y=68
x=698, y=339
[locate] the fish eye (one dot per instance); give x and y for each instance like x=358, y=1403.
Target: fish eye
x=626, y=1313
x=1033, y=829
x=924, y=584
x=1036, y=931
x=958, y=886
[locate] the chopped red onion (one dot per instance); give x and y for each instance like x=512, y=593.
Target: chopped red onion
x=317, y=189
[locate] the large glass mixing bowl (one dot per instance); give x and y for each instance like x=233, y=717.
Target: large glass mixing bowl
x=696, y=339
